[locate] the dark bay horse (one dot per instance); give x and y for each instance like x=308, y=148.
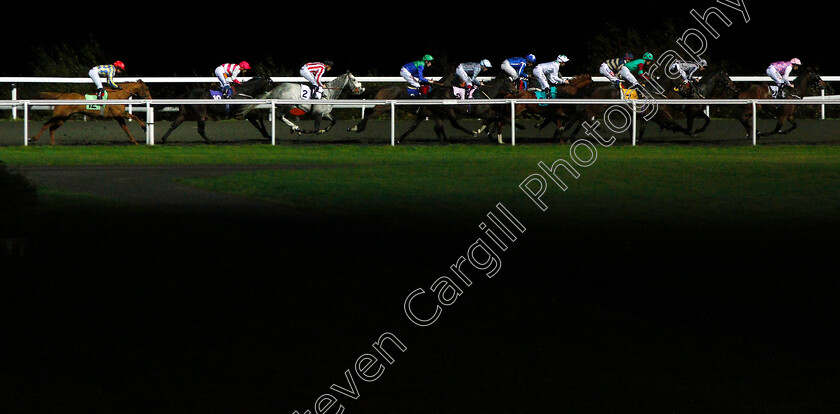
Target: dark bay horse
x=492, y=89
x=61, y=113
x=202, y=112
x=715, y=84
x=396, y=91
x=783, y=113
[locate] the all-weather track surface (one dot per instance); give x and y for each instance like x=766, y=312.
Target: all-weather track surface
x=722, y=132
x=169, y=298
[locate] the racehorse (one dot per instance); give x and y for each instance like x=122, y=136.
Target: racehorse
x=550, y=113
x=713, y=85
x=391, y=92
x=784, y=113
x=296, y=91
x=201, y=112
x=61, y=113
x=492, y=89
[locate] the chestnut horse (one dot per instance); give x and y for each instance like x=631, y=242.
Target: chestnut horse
x=784, y=112
x=61, y=113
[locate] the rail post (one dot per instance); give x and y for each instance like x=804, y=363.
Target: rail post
x=754, y=123
x=633, y=123
x=150, y=124
x=393, y=125
x=25, y=123
x=512, y=123
x=14, y=98
x=273, y=117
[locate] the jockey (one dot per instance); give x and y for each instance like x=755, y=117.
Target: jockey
x=552, y=70
x=687, y=69
x=412, y=72
x=312, y=72
x=637, y=67
x=229, y=72
x=515, y=66
x=617, y=66
x=780, y=73
x=468, y=72
x=108, y=71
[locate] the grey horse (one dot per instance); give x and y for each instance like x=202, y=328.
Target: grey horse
x=295, y=91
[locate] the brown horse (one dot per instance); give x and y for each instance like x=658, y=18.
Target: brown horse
x=715, y=84
x=391, y=92
x=550, y=113
x=62, y=113
x=784, y=113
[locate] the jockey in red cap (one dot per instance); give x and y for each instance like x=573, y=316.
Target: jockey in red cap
x=108, y=71
x=227, y=73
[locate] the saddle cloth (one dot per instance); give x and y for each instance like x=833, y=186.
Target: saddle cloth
x=460, y=92
x=629, y=93
x=93, y=98
x=422, y=90
x=540, y=94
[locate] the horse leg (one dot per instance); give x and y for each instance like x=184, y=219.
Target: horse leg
x=293, y=128
x=373, y=113
x=178, y=121
x=332, y=122
x=201, y=122
x=52, y=124
x=454, y=122
x=439, y=131
x=706, y=121
x=417, y=120
x=121, y=121
x=258, y=123
x=744, y=118
x=136, y=119
x=792, y=125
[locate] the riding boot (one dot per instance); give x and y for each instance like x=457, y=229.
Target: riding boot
x=100, y=93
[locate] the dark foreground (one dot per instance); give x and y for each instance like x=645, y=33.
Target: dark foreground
x=263, y=310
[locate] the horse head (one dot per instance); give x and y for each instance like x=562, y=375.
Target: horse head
x=810, y=78
x=719, y=77
x=346, y=81
x=137, y=89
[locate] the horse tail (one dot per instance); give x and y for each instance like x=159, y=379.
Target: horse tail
x=248, y=108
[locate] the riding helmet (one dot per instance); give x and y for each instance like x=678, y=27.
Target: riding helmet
x=244, y=65
x=562, y=59
x=428, y=58
x=647, y=56
x=486, y=63
x=531, y=58
x=796, y=61
x=119, y=64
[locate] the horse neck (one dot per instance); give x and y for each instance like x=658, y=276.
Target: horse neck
x=493, y=87
x=252, y=87
x=802, y=82
x=708, y=84
x=128, y=89
x=337, y=85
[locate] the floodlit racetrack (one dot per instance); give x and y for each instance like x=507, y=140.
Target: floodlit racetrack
x=665, y=276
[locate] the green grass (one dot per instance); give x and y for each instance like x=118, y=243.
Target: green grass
x=643, y=185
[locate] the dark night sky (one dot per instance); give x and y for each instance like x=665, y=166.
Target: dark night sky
x=195, y=42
